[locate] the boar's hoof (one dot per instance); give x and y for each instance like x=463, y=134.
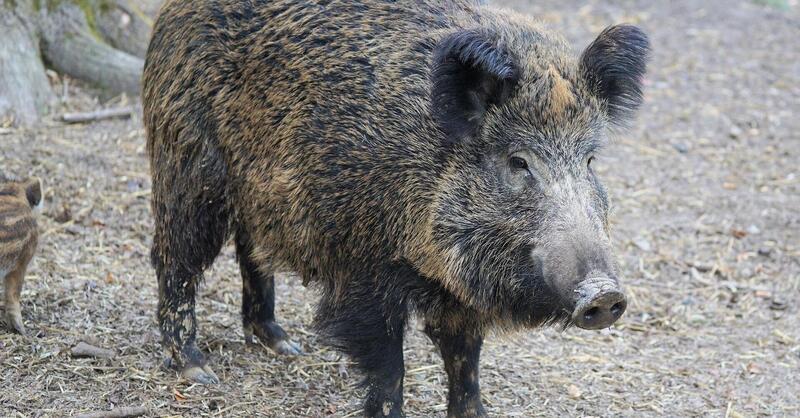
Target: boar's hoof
x=287, y=347
x=474, y=411
x=200, y=374
x=274, y=337
x=600, y=305
x=14, y=323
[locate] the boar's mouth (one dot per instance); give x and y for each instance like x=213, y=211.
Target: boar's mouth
x=598, y=303
x=536, y=302
x=592, y=303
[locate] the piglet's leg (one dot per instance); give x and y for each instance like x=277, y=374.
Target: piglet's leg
x=13, y=286
x=461, y=353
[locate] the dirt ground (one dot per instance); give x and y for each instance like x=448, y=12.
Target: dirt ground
x=706, y=198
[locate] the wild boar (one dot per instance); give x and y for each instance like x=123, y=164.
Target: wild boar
x=429, y=158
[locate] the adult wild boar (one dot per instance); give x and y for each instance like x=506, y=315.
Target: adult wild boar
x=426, y=157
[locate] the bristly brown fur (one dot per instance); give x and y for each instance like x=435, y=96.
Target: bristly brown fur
x=346, y=140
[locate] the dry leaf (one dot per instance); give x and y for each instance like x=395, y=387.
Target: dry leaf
x=178, y=396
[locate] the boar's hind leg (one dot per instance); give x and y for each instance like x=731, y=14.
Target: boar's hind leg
x=371, y=333
x=258, y=303
x=461, y=353
x=178, y=325
x=191, y=224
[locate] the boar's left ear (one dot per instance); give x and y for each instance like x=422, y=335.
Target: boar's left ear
x=614, y=65
x=470, y=74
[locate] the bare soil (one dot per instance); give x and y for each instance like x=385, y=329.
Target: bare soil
x=706, y=216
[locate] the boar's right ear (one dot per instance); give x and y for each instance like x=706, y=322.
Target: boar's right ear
x=470, y=74
x=614, y=65
x=33, y=191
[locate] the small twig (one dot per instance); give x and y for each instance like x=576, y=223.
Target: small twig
x=87, y=350
x=353, y=413
x=126, y=412
x=120, y=112
x=64, y=89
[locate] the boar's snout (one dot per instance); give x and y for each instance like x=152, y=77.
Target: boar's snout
x=600, y=303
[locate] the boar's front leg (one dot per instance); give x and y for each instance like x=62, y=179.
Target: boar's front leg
x=461, y=352
x=368, y=325
x=384, y=379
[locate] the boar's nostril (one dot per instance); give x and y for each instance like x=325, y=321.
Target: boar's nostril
x=599, y=309
x=618, y=309
x=591, y=313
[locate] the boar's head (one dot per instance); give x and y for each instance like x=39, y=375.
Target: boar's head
x=519, y=220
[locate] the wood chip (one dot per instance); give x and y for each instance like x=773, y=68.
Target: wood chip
x=574, y=392
x=87, y=350
x=127, y=412
x=122, y=112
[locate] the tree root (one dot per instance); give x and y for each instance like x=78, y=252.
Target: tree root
x=71, y=47
x=24, y=89
x=102, y=42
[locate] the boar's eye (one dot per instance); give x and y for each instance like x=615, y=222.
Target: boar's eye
x=589, y=161
x=518, y=163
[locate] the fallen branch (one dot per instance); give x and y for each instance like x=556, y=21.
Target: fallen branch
x=88, y=350
x=121, y=112
x=116, y=413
